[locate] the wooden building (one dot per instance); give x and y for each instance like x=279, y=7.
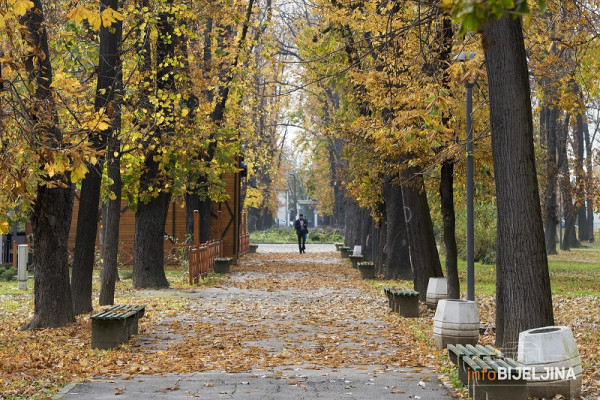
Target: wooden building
x=227, y=222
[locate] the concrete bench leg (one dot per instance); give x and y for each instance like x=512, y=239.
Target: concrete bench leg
x=486, y=389
x=107, y=334
x=408, y=306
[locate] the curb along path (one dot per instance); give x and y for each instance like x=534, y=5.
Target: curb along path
x=281, y=325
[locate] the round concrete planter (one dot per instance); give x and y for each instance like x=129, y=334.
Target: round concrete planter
x=355, y=260
x=367, y=270
x=345, y=251
x=222, y=265
x=455, y=322
x=436, y=290
x=551, y=353
x=252, y=248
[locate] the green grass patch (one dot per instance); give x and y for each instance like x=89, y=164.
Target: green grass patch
x=288, y=235
x=572, y=273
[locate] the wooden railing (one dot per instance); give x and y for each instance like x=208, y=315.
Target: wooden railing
x=244, y=243
x=202, y=259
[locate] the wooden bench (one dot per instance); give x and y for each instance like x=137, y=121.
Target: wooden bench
x=493, y=378
x=403, y=301
x=457, y=352
x=115, y=325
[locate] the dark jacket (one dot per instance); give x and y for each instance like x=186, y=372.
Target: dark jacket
x=299, y=230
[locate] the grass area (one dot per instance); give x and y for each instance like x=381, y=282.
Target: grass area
x=573, y=273
x=288, y=235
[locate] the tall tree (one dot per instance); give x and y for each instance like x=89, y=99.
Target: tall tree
x=110, y=82
x=155, y=194
x=523, y=296
x=89, y=198
x=53, y=205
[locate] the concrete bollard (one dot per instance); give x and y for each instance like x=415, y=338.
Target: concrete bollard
x=22, y=263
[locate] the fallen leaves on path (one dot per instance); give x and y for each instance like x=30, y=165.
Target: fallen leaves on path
x=273, y=310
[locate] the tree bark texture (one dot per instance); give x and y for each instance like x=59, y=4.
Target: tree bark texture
x=192, y=203
x=423, y=250
x=589, y=182
x=566, y=189
x=109, y=81
x=53, y=205
x=110, y=246
x=84, y=256
x=449, y=227
x=581, y=181
x=523, y=296
x=550, y=119
x=148, y=247
x=397, y=251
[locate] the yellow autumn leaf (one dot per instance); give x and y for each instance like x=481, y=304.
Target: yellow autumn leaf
x=78, y=14
x=3, y=227
x=22, y=6
x=95, y=20
x=185, y=112
x=109, y=16
x=2, y=23
x=102, y=126
x=78, y=172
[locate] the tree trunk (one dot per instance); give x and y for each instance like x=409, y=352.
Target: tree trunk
x=397, y=252
x=53, y=206
x=84, y=256
x=447, y=205
x=148, y=248
x=589, y=181
x=192, y=203
x=51, y=222
x=550, y=201
x=110, y=247
x=581, y=181
x=381, y=241
x=565, y=187
x=523, y=296
x=423, y=250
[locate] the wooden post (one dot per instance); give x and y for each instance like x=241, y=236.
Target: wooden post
x=14, y=252
x=196, y=227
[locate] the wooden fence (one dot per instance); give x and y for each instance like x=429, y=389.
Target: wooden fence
x=244, y=244
x=202, y=259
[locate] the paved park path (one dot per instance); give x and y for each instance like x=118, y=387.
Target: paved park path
x=282, y=325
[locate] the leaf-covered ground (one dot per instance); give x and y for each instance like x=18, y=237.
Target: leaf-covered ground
x=274, y=309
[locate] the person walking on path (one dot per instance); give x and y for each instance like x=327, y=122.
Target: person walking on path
x=302, y=232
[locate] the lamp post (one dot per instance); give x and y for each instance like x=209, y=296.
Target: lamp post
x=464, y=56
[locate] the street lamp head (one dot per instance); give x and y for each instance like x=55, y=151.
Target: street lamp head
x=465, y=56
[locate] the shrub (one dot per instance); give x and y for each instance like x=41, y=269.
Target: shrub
x=485, y=234
x=8, y=274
